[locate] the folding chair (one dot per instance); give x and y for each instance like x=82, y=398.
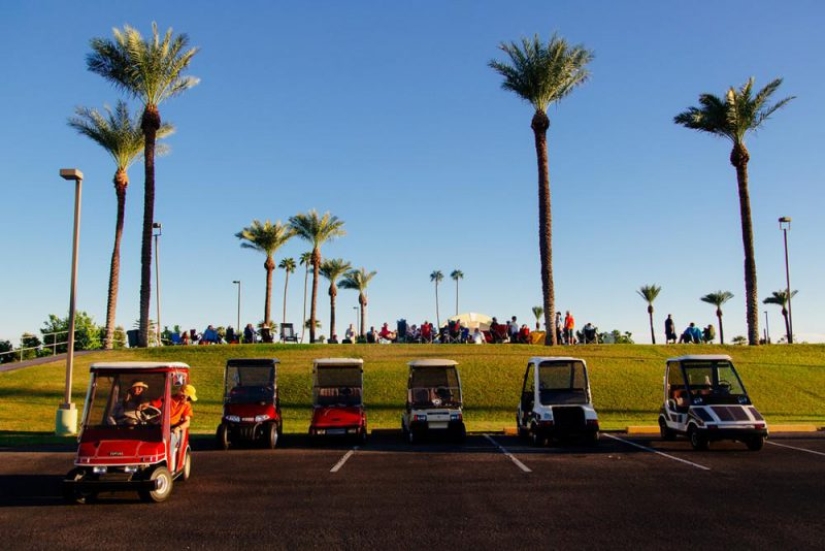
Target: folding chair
x=288, y=333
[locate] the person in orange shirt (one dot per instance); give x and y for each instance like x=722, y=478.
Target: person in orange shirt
x=569, y=326
x=180, y=413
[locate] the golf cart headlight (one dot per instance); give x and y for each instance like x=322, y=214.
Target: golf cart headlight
x=261, y=418
x=233, y=418
x=99, y=470
x=130, y=469
x=455, y=417
x=547, y=416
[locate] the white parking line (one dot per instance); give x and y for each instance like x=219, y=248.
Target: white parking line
x=501, y=448
x=795, y=448
x=343, y=460
x=680, y=460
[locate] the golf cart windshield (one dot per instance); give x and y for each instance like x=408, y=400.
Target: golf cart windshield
x=248, y=384
x=434, y=386
x=337, y=385
x=563, y=383
x=713, y=382
x=126, y=400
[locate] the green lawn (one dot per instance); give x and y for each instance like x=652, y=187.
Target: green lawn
x=787, y=383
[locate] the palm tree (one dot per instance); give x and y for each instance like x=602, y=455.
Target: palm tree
x=649, y=293
x=781, y=298
x=152, y=71
x=317, y=230
x=542, y=75
x=718, y=299
x=332, y=269
x=359, y=280
x=436, y=277
x=288, y=266
x=267, y=238
x=456, y=275
x=306, y=262
x=120, y=135
x=733, y=117
x=538, y=311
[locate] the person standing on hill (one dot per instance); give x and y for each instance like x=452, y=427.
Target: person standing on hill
x=569, y=327
x=670, y=330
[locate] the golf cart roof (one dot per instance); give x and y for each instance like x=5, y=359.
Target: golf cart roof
x=137, y=365
x=432, y=362
x=694, y=357
x=338, y=361
x=541, y=359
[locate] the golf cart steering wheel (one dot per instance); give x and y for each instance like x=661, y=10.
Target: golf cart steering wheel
x=148, y=414
x=725, y=386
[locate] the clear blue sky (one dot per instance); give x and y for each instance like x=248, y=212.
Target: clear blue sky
x=386, y=115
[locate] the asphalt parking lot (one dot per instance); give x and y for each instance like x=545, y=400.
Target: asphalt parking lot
x=492, y=492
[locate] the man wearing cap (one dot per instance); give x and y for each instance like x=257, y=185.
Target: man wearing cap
x=180, y=412
x=135, y=401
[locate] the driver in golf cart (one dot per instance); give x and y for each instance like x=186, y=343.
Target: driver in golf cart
x=136, y=406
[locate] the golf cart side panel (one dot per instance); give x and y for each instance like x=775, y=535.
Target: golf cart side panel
x=251, y=403
x=337, y=398
x=556, y=400
x=705, y=400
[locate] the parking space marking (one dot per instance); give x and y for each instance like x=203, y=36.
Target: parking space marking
x=503, y=450
x=657, y=452
x=795, y=448
x=343, y=460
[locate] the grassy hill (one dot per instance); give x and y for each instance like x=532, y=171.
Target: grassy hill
x=787, y=383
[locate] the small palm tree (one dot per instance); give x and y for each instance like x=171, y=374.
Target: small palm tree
x=288, y=266
x=120, y=135
x=267, y=238
x=781, y=298
x=542, y=75
x=718, y=299
x=151, y=71
x=436, y=277
x=538, y=311
x=332, y=269
x=306, y=262
x=317, y=230
x=649, y=293
x=456, y=275
x=359, y=280
x=733, y=117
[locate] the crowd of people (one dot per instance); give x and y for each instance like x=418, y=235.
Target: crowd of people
x=691, y=334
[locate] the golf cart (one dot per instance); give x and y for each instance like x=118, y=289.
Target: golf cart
x=125, y=441
x=337, y=399
x=434, y=403
x=556, y=402
x=705, y=400
x=251, y=406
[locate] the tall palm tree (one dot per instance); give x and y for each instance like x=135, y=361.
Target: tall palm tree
x=538, y=311
x=317, y=230
x=306, y=262
x=267, y=238
x=437, y=277
x=733, y=117
x=151, y=71
x=781, y=298
x=288, y=266
x=332, y=269
x=718, y=299
x=649, y=293
x=359, y=280
x=456, y=275
x=121, y=137
x=542, y=75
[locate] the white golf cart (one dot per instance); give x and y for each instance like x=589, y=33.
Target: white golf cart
x=705, y=400
x=434, y=402
x=556, y=402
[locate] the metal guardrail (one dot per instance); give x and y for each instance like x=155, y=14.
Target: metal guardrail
x=53, y=346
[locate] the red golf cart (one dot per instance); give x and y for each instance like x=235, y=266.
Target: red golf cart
x=337, y=399
x=125, y=440
x=251, y=407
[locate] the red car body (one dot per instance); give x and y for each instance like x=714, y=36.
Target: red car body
x=337, y=399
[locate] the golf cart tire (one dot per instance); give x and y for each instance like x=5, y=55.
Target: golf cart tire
x=164, y=485
x=536, y=439
x=665, y=432
x=755, y=443
x=187, y=465
x=222, y=437
x=271, y=436
x=698, y=440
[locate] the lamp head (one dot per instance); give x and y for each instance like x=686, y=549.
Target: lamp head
x=71, y=174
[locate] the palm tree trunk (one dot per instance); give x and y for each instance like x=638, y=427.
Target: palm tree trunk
x=787, y=325
x=362, y=300
x=437, y=316
x=316, y=268
x=304, y=318
x=149, y=124
x=333, y=292
x=652, y=332
x=739, y=159
x=121, y=182
x=286, y=284
x=721, y=329
x=269, y=266
x=456, y=297
x=540, y=124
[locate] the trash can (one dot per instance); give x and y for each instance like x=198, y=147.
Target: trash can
x=132, y=335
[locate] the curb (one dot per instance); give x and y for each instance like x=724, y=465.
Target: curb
x=654, y=430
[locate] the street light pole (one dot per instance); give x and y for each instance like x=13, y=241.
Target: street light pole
x=785, y=225
x=238, y=328
x=767, y=331
x=159, y=227
x=66, y=420
x=357, y=325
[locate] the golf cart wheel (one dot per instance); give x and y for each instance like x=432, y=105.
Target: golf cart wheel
x=536, y=439
x=71, y=495
x=698, y=440
x=222, y=437
x=755, y=443
x=271, y=436
x=164, y=485
x=664, y=431
x=411, y=437
x=592, y=439
x=187, y=465
x=362, y=435
x=460, y=433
